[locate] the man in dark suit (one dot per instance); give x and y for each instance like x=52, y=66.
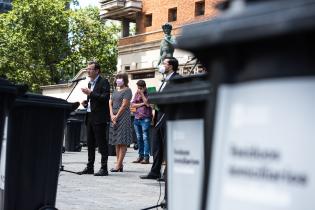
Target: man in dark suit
x=169, y=68
x=97, y=118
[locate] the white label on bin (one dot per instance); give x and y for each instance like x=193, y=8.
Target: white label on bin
x=263, y=148
x=185, y=161
x=3, y=154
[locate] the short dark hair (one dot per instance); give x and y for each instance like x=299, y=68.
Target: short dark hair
x=141, y=83
x=96, y=65
x=173, y=62
x=123, y=76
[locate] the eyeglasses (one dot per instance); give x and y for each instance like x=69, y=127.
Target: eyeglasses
x=90, y=69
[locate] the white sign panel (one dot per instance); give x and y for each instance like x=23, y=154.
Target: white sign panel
x=264, y=146
x=185, y=154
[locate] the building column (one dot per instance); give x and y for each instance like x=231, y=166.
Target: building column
x=125, y=28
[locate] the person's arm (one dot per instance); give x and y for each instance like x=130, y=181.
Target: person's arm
x=125, y=104
x=110, y=104
x=104, y=93
x=144, y=98
x=134, y=104
x=123, y=107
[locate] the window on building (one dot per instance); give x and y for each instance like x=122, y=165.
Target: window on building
x=127, y=68
x=172, y=14
x=148, y=20
x=199, y=8
x=145, y=75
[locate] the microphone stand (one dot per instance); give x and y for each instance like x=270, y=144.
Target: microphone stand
x=192, y=69
x=61, y=166
x=76, y=83
x=162, y=205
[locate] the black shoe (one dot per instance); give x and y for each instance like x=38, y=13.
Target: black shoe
x=149, y=176
x=139, y=159
x=121, y=169
x=101, y=172
x=86, y=171
x=145, y=161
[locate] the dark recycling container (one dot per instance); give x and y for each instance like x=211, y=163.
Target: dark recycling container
x=73, y=134
x=184, y=102
x=80, y=114
x=260, y=59
x=33, y=151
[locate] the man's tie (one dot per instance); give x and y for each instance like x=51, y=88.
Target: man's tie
x=89, y=86
x=160, y=89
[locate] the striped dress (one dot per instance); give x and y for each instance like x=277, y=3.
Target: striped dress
x=121, y=132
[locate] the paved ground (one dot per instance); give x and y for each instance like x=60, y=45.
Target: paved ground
x=118, y=191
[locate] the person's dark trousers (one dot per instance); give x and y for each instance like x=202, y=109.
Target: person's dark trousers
x=97, y=136
x=158, y=148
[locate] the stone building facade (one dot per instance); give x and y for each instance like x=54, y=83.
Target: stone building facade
x=138, y=54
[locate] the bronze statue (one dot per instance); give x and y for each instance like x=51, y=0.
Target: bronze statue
x=167, y=44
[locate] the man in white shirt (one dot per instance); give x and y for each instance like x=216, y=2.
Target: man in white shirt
x=97, y=118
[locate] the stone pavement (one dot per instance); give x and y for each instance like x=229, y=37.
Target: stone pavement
x=118, y=191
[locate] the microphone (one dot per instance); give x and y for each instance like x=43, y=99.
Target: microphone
x=77, y=80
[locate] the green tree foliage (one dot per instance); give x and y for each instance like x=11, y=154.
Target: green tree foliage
x=91, y=39
x=43, y=42
x=33, y=40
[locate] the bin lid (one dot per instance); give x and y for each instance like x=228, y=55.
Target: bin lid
x=72, y=120
x=255, y=21
x=9, y=88
x=31, y=99
x=180, y=90
x=77, y=112
x=151, y=89
x=80, y=111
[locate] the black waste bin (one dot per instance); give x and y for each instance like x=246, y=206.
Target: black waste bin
x=73, y=134
x=33, y=151
x=260, y=59
x=80, y=114
x=184, y=103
